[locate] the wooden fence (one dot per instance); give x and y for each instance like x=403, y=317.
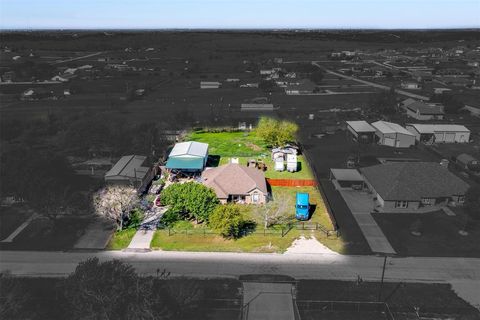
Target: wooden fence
x=292, y=182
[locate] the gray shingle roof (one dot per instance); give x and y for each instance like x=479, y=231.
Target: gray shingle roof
x=413, y=180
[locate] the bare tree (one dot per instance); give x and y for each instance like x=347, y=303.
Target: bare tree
x=115, y=203
x=276, y=212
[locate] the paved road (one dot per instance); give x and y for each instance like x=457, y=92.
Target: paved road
x=372, y=84
x=214, y=265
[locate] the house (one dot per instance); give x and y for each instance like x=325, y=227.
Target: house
x=190, y=156
x=472, y=108
x=412, y=85
x=236, y=183
x=256, y=107
x=63, y=77
x=410, y=186
x=439, y=133
x=210, y=84
x=467, y=161
x=424, y=111
x=346, y=179
x=361, y=130
x=305, y=86
x=130, y=170
x=393, y=135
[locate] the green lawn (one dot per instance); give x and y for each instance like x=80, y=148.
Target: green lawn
x=198, y=242
x=121, y=239
x=231, y=144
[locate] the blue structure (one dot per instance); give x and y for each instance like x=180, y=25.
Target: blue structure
x=302, y=206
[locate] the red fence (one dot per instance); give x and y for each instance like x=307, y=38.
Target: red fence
x=292, y=182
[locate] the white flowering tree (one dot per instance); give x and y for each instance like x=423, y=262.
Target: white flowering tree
x=115, y=203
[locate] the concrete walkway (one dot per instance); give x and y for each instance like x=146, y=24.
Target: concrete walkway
x=361, y=205
x=141, y=240
x=267, y=301
x=20, y=228
x=468, y=290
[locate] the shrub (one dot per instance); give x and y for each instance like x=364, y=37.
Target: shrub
x=135, y=218
x=170, y=217
x=191, y=198
x=228, y=220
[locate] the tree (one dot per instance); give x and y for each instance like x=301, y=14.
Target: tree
x=276, y=212
x=317, y=76
x=472, y=202
x=228, y=219
x=115, y=203
x=385, y=102
x=14, y=298
x=451, y=104
x=107, y=290
x=275, y=132
x=192, y=199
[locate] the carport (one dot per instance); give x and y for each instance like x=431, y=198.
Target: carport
x=346, y=179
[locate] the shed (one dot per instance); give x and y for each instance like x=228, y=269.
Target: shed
x=439, y=133
x=346, y=178
x=210, y=85
x=467, y=161
x=130, y=170
x=188, y=156
x=361, y=129
x=393, y=135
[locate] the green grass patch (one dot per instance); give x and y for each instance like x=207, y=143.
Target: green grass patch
x=209, y=242
x=231, y=144
x=304, y=171
x=121, y=239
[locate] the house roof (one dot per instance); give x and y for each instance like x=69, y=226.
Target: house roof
x=432, y=128
x=466, y=158
x=234, y=179
x=408, y=101
x=129, y=167
x=389, y=127
x=189, y=149
x=347, y=174
x=424, y=108
x=360, y=126
x=413, y=181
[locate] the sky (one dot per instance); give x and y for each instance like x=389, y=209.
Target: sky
x=239, y=14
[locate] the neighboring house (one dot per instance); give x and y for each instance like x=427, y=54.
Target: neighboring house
x=409, y=186
x=467, y=161
x=190, y=156
x=393, y=135
x=236, y=183
x=361, y=129
x=305, y=86
x=412, y=85
x=64, y=77
x=130, y=170
x=424, y=111
x=210, y=85
x=256, y=107
x=439, y=133
x=472, y=108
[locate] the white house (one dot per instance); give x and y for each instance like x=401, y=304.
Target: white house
x=424, y=111
x=439, y=133
x=412, y=85
x=393, y=135
x=210, y=85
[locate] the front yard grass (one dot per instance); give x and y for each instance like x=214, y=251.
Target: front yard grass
x=121, y=239
x=439, y=236
x=199, y=242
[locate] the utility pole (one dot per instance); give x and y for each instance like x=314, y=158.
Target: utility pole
x=383, y=277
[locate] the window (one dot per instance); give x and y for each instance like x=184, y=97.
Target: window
x=255, y=198
x=428, y=201
x=461, y=199
x=401, y=204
